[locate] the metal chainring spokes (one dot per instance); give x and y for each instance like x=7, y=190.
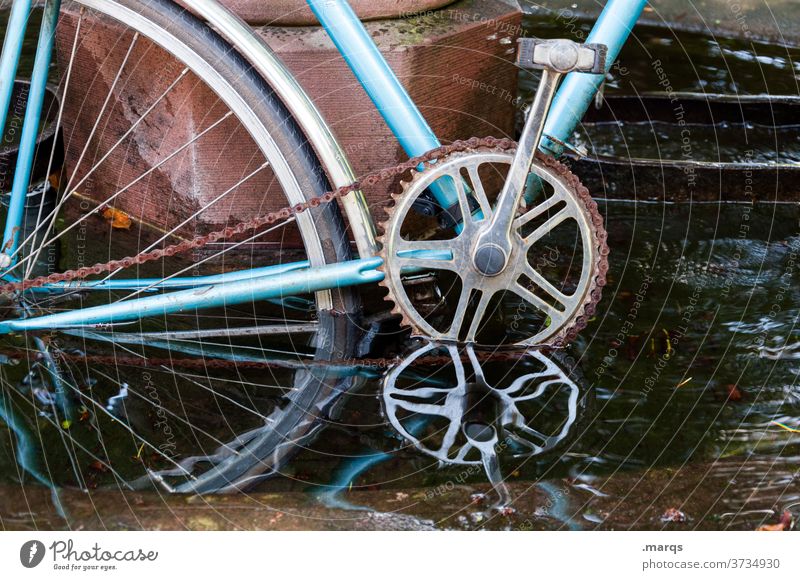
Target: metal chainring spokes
x=561, y=313
x=442, y=413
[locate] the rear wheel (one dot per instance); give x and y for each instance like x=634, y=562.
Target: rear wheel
x=169, y=134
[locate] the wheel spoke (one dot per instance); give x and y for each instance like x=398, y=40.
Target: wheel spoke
x=152, y=169
x=425, y=392
x=480, y=312
x=74, y=443
x=69, y=193
x=84, y=151
x=442, y=247
x=450, y=436
x=425, y=263
x=417, y=408
x=196, y=214
x=144, y=398
x=531, y=432
x=476, y=365
x=480, y=192
x=210, y=93
x=463, y=198
x=130, y=130
x=110, y=94
x=461, y=310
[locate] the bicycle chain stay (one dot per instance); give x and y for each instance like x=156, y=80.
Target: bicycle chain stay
x=256, y=223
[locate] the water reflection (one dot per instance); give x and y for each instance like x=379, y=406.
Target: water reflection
x=295, y=420
x=707, y=424
x=490, y=403
x=26, y=450
x=138, y=429
x=312, y=417
x=463, y=406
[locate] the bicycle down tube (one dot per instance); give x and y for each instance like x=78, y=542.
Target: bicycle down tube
x=381, y=84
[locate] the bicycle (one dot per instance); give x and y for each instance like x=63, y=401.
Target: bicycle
x=478, y=247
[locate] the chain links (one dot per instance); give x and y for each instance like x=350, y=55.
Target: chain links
x=271, y=218
x=268, y=219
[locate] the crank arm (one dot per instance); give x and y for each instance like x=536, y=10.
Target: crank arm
x=556, y=58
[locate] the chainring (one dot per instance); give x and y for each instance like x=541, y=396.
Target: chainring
x=561, y=316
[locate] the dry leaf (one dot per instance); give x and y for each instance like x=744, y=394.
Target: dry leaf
x=734, y=394
x=784, y=525
x=675, y=516
x=98, y=466
x=55, y=180
x=119, y=219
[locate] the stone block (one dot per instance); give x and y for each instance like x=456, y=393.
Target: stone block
x=456, y=62
x=297, y=12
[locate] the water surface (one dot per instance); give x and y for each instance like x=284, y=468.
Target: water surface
x=682, y=382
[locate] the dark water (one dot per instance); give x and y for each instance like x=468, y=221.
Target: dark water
x=693, y=62
x=661, y=140
x=657, y=60
x=673, y=397
x=29, y=46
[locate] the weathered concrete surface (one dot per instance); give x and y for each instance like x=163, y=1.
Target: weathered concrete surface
x=767, y=20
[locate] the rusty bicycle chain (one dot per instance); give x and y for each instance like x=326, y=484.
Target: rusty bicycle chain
x=271, y=218
x=256, y=223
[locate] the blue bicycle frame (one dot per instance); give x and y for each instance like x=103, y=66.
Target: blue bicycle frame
x=384, y=89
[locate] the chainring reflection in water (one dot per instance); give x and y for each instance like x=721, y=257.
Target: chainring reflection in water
x=476, y=409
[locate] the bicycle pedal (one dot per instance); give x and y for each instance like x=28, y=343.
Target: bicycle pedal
x=561, y=55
